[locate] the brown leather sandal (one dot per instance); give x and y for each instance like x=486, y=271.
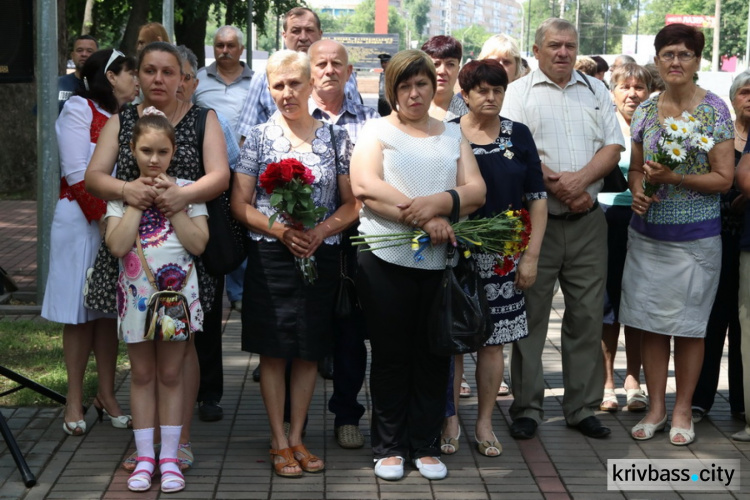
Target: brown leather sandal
x=288, y=456
x=306, y=458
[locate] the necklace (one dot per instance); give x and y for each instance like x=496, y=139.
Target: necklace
x=739, y=134
x=295, y=146
x=171, y=120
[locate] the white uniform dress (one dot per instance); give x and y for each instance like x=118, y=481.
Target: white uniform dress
x=169, y=262
x=74, y=241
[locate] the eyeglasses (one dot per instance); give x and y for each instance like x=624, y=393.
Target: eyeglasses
x=189, y=76
x=112, y=58
x=681, y=56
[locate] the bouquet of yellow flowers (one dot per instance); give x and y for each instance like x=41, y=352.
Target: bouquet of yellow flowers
x=504, y=235
x=677, y=139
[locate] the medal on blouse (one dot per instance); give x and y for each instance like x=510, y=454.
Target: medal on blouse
x=504, y=144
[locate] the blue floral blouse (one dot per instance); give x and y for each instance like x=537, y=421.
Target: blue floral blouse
x=682, y=214
x=267, y=144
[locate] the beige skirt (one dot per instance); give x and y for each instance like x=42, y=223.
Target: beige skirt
x=668, y=287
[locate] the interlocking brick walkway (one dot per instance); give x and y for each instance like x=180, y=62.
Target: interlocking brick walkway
x=232, y=455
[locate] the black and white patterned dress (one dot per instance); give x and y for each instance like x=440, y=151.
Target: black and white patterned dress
x=512, y=170
x=186, y=164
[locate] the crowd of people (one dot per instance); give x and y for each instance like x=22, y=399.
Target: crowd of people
x=148, y=144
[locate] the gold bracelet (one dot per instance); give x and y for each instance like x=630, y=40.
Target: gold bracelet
x=122, y=193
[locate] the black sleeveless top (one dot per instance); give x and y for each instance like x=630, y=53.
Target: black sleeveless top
x=186, y=164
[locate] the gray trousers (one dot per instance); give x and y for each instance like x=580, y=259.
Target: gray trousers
x=575, y=253
x=744, y=302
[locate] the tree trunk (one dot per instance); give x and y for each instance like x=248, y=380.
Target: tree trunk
x=138, y=17
x=88, y=17
x=192, y=34
x=229, y=17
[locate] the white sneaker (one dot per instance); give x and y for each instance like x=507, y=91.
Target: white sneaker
x=389, y=472
x=432, y=471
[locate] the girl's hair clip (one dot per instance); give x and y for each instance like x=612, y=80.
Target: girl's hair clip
x=151, y=110
x=86, y=84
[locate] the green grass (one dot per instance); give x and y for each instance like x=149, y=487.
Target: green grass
x=34, y=349
x=22, y=195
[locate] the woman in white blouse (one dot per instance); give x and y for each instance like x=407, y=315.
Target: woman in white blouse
x=109, y=82
x=402, y=166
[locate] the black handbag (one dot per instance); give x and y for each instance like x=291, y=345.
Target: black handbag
x=346, y=295
x=615, y=182
x=460, y=315
x=227, y=239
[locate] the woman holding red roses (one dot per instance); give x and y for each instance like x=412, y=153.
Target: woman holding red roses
x=284, y=316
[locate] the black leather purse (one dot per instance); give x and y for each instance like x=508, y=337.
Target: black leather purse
x=346, y=294
x=460, y=316
x=227, y=239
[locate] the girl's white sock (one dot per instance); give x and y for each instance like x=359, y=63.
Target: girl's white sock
x=144, y=443
x=170, y=440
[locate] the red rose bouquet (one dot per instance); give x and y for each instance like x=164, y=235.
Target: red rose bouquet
x=506, y=236
x=289, y=183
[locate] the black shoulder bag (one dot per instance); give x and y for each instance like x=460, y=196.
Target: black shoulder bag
x=460, y=315
x=346, y=296
x=614, y=181
x=227, y=239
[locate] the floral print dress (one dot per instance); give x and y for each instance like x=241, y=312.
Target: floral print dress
x=512, y=170
x=170, y=264
x=186, y=164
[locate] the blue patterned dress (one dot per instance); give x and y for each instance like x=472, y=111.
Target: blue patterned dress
x=512, y=170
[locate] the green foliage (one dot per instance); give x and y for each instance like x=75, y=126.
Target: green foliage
x=593, y=21
x=34, y=349
x=732, y=26
x=418, y=11
x=332, y=24
x=472, y=39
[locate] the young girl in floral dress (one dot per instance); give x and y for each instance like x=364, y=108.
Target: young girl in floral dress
x=168, y=246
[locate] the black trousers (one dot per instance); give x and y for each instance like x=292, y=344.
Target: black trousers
x=725, y=315
x=208, y=345
x=407, y=381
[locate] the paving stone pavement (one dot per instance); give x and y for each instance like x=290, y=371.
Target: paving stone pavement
x=232, y=455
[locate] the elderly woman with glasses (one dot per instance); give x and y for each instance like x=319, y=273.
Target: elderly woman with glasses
x=672, y=267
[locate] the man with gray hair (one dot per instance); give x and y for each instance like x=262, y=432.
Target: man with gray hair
x=224, y=83
x=208, y=346
x=573, y=123
x=223, y=86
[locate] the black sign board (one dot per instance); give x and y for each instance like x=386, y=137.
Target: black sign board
x=363, y=49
